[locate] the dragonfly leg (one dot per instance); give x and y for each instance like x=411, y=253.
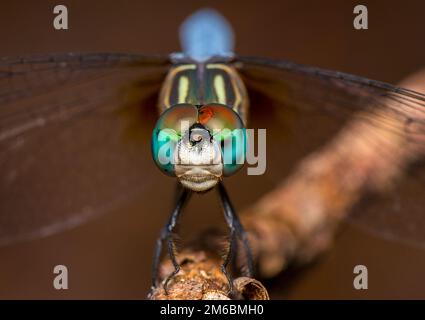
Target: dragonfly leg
x=157, y=255
x=166, y=234
x=240, y=230
x=236, y=229
x=228, y=258
x=171, y=253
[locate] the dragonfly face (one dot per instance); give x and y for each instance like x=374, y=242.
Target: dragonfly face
x=200, y=136
x=199, y=144
x=198, y=160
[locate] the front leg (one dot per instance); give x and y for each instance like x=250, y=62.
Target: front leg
x=166, y=234
x=236, y=229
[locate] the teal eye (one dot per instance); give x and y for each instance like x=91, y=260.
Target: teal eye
x=167, y=133
x=227, y=128
x=233, y=146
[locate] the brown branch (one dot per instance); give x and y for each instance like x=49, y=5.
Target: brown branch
x=200, y=276
x=297, y=221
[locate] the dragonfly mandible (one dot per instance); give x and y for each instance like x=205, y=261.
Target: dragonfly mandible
x=76, y=129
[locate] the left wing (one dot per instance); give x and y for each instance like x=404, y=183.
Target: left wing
x=74, y=138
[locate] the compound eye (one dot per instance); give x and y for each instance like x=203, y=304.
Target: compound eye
x=227, y=128
x=178, y=118
x=168, y=130
x=220, y=120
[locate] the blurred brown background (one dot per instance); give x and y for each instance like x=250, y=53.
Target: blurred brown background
x=111, y=256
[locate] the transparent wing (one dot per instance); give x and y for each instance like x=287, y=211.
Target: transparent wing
x=372, y=133
x=74, y=137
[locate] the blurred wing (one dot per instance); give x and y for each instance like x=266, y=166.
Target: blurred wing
x=74, y=137
x=307, y=110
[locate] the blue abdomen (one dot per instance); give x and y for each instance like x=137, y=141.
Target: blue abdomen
x=205, y=34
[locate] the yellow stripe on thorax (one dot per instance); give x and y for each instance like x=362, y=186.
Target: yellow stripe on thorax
x=183, y=90
x=240, y=102
x=174, y=79
x=220, y=88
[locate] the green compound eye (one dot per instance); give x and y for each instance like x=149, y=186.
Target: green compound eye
x=226, y=127
x=168, y=131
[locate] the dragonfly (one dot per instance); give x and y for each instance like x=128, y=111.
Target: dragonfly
x=78, y=132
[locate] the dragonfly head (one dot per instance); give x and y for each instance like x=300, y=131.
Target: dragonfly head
x=198, y=160
x=199, y=145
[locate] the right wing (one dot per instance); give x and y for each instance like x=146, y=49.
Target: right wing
x=354, y=138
